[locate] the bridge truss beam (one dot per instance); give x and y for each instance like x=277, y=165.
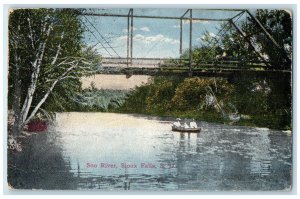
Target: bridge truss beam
x=190, y=18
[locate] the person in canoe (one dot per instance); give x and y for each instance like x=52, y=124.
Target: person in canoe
x=177, y=123
x=193, y=124
x=185, y=125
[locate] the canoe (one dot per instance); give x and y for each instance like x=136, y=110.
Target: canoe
x=187, y=130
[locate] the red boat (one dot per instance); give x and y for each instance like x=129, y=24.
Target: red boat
x=37, y=126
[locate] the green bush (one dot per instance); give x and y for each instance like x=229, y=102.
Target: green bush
x=193, y=93
x=212, y=99
x=159, y=96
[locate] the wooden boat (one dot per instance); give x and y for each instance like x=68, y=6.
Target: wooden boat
x=187, y=130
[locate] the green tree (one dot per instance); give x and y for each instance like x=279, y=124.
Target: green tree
x=196, y=94
x=46, y=56
x=160, y=95
x=277, y=23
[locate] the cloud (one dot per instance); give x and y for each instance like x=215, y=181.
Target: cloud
x=194, y=21
x=124, y=37
x=184, y=22
x=155, y=38
x=151, y=39
x=145, y=29
x=210, y=35
x=125, y=29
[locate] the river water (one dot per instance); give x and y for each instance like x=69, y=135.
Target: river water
x=107, y=151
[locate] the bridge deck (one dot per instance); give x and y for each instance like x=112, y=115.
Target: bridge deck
x=184, y=71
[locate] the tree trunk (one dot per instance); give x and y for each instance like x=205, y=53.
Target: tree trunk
x=16, y=102
x=20, y=116
x=49, y=92
x=34, y=78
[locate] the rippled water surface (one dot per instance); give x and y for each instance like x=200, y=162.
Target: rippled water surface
x=118, y=151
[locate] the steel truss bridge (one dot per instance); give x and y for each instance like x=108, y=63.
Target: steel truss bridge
x=155, y=66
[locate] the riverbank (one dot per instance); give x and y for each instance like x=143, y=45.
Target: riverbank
x=245, y=121
x=241, y=99
x=254, y=102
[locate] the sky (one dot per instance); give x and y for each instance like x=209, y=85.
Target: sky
x=158, y=38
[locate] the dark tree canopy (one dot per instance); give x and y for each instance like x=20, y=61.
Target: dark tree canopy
x=47, y=57
x=231, y=45
x=26, y=24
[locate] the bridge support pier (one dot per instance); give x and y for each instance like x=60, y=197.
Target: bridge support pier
x=129, y=36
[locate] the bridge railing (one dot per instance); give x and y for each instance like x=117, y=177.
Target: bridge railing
x=124, y=62
x=141, y=62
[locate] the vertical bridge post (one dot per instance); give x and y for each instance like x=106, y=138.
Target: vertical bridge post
x=190, y=46
x=131, y=36
x=181, y=22
x=180, y=48
x=128, y=24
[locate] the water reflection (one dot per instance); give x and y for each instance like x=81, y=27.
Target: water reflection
x=40, y=165
x=125, y=152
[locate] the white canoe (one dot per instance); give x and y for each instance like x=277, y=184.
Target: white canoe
x=188, y=130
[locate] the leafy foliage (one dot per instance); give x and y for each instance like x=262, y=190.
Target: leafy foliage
x=230, y=45
x=258, y=100
x=99, y=100
x=197, y=93
x=159, y=95
x=46, y=45
x=46, y=60
x=279, y=24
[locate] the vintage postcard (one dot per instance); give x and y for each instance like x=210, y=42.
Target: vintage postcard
x=150, y=99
